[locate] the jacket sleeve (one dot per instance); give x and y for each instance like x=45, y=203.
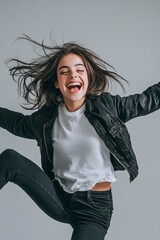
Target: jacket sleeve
x=138, y=104
x=17, y=123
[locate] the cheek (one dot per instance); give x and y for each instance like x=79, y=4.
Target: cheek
x=60, y=84
x=87, y=82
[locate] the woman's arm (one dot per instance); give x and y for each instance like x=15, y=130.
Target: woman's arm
x=17, y=123
x=138, y=104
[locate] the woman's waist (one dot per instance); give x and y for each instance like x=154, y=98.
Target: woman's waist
x=101, y=186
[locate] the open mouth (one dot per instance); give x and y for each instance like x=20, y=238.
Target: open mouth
x=74, y=86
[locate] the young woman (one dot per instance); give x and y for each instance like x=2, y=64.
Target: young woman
x=80, y=129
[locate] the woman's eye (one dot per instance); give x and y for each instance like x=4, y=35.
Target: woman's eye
x=63, y=73
x=80, y=70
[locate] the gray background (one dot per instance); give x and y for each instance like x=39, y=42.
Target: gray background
x=125, y=33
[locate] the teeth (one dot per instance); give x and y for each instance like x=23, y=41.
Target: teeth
x=74, y=84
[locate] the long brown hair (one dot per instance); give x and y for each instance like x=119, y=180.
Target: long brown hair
x=36, y=79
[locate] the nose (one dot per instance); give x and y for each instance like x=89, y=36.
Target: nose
x=73, y=75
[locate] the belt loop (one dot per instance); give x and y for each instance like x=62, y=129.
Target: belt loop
x=88, y=195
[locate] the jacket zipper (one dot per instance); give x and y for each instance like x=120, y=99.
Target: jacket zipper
x=45, y=143
x=119, y=160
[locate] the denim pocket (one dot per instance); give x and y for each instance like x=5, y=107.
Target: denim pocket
x=100, y=200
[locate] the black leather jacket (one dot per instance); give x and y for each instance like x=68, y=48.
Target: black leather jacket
x=107, y=114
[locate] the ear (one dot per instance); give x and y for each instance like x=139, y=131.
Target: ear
x=56, y=84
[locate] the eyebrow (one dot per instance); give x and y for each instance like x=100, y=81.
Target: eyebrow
x=78, y=64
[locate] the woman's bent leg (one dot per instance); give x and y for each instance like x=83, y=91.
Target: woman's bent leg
x=18, y=169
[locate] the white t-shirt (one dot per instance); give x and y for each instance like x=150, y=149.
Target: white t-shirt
x=81, y=158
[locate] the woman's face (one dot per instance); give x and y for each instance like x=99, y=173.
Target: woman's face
x=72, y=81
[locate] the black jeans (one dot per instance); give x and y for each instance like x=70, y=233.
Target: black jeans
x=88, y=212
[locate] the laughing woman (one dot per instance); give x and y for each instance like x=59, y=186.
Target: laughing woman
x=80, y=130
